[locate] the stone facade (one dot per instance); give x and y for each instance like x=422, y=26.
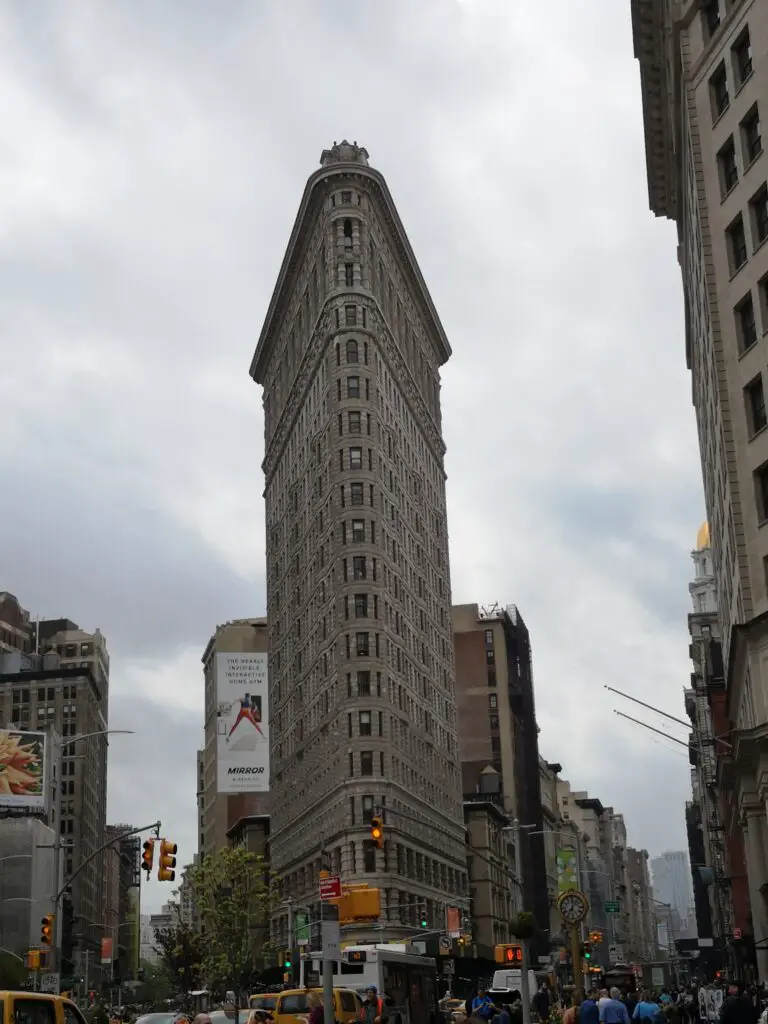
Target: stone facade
x=703, y=69
x=362, y=689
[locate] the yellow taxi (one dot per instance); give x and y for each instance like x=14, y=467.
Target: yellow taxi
x=291, y=1006
x=38, y=1008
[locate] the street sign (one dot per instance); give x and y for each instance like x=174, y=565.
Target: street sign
x=612, y=907
x=331, y=940
x=50, y=983
x=330, y=888
x=448, y=967
x=446, y=945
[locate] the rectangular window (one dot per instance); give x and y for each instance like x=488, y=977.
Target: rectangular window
x=493, y=700
x=369, y=856
x=349, y=274
x=367, y=802
x=758, y=206
x=495, y=744
x=718, y=91
x=492, y=675
x=737, y=244
x=346, y=198
x=754, y=402
x=361, y=606
x=350, y=316
x=710, y=13
x=363, y=684
x=366, y=762
x=488, y=637
x=746, y=326
x=726, y=162
x=361, y=645
x=358, y=567
x=358, y=531
x=364, y=723
x=493, y=721
x=751, y=137
x=355, y=458
x=761, y=491
x=356, y=494
x=742, y=58
x=353, y=422
x=353, y=387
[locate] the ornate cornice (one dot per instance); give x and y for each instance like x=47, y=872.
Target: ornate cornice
x=324, y=331
x=649, y=33
x=284, y=292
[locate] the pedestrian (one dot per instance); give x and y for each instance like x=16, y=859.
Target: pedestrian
x=612, y=1010
x=372, y=1010
x=590, y=1014
x=736, y=1008
x=316, y=1009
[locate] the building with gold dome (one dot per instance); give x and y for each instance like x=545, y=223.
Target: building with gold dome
x=702, y=587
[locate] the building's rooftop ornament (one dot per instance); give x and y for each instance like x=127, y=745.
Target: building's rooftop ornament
x=344, y=153
x=702, y=537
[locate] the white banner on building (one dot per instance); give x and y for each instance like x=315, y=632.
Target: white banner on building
x=242, y=726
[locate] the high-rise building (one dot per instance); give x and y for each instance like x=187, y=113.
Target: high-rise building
x=671, y=878
x=497, y=711
x=127, y=936
x=361, y=674
x=27, y=873
x=642, y=919
x=16, y=630
x=219, y=806
x=703, y=76
x=64, y=691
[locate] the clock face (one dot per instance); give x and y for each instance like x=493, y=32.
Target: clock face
x=572, y=907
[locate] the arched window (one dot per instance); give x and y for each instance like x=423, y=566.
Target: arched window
x=338, y=355
x=353, y=355
x=348, y=229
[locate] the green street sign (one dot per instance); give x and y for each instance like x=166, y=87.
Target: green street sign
x=612, y=907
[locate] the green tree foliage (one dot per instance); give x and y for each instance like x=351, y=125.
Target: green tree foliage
x=13, y=973
x=234, y=896
x=524, y=926
x=181, y=956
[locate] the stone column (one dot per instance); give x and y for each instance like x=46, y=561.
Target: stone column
x=757, y=874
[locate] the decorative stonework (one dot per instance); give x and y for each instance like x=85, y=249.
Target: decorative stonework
x=344, y=153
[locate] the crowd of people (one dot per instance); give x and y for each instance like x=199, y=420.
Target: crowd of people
x=735, y=1005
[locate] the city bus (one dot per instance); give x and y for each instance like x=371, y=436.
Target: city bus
x=406, y=981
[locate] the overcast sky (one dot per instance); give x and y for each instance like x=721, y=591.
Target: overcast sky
x=151, y=164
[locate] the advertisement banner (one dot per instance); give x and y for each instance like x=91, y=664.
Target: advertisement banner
x=242, y=727
x=567, y=869
x=106, y=950
x=22, y=769
x=453, y=922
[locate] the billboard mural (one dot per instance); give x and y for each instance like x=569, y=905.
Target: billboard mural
x=242, y=727
x=567, y=869
x=22, y=769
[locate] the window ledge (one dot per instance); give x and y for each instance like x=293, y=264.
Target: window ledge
x=730, y=191
x=719, y=117
x=744, y=82
x=752, y=163
x=760, y=245
x=756, y=434
x=750, y=348
x=738, y=269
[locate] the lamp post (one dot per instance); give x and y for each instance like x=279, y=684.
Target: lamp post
x=66, y=743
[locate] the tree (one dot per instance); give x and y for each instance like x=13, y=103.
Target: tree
x=234, y=895
x=524, y=925
x=181, y=955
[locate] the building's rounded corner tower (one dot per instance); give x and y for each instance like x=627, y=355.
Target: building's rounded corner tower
x=362, y=682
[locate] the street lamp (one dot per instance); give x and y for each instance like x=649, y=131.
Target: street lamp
x=68, y=742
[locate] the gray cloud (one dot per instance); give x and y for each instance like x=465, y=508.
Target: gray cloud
x=150, y=169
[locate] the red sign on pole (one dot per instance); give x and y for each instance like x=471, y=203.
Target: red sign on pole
x=737, y=933
x=330, y=888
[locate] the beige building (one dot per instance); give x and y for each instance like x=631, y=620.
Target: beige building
x=559, y=834
x=642, y=917
x=704, y=77
x=495, y=888
x=219, y=812
x=362, y=688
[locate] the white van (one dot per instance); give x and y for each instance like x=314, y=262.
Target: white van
x=511, y=980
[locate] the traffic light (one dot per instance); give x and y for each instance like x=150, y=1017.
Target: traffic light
x=33, y=960
x=46, y=930
x=148, y=856
x=587, y=950
x=508, y=954
x=287, y=962
x=167, y=861
x=423, y=918
x=377, y=832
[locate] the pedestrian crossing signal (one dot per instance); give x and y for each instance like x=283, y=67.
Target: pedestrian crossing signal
x=508, y=954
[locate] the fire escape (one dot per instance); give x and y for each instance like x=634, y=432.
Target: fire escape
x=707, y=678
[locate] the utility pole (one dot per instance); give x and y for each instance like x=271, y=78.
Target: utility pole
x=525, y=993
